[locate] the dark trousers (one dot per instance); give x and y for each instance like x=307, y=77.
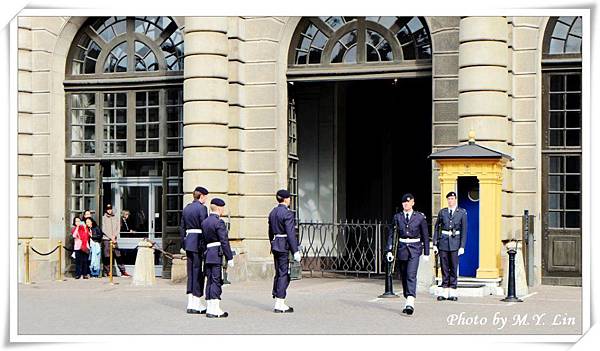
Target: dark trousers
x=282, y=278
x=82, y=265
x=195, y=277
x=408, y=270
x=106, y=257
x=449, y=263
x=213, y=281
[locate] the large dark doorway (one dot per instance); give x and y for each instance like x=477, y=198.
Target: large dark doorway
x=361, y=145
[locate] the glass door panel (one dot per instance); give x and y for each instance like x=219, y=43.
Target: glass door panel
x=136, y=200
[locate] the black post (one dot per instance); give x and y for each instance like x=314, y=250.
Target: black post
x=511, y=295
x=389, y=288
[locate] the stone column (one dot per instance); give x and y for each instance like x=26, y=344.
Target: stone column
x=205, y=106
x=483, y=81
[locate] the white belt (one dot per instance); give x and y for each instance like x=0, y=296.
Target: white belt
x=199, y=231
x=281, y=235
x=409, y=241
x=213, y=244
x=449, y=232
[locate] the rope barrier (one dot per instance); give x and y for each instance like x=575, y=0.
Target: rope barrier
x=27, y=257
x=70, y=250
x=167, y=254
x=44, y=254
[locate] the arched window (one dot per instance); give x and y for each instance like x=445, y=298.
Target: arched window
x=127, y=44
x=565, y=37
x=561, y=151
x=331, y=40
x=124, y=122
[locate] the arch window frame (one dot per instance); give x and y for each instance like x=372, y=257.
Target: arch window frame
x=361, y=25
x=101, y=84
x=564, y=57
x=130, y=36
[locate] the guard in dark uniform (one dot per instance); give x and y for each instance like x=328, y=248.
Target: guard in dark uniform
x=282, y=234
x=413, y=240
x=192, y=242
x=217, y=246
x=450, y=237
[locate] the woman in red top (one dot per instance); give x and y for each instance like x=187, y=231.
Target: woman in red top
x=81, y=234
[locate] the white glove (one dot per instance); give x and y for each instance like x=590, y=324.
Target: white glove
x=297, y=256
x=230, y=264
x=182, y=251
x=461, y=251
x=389, y=257
x=426, y=258
x=435, y=249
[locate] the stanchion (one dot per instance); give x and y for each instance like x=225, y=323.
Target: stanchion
x=389, y=288
x=27, y=281
x=60, y=253
x=110, y=264
x=511, y=295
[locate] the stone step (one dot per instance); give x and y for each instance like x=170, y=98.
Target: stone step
x=471, y=291
x=469, y=286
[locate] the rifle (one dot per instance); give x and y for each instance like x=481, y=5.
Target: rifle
x=394, y=246
x=437, y=256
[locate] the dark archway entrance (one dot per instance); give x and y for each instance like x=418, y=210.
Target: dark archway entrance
x=361, y=145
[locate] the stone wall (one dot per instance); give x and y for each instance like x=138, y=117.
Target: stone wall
x=444, y=36
x=43, y=43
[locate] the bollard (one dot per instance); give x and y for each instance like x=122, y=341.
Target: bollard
x=110, y=264
x=27, y=281
x=143, y=272
x=60, y=253
x=389, y=288
x=511, y=294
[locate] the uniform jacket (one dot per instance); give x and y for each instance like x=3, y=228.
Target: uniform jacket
x=416, y=228
x=191, y=218
x=282, y=222
x=214, y=230
x=458, y=222
x=111, y=226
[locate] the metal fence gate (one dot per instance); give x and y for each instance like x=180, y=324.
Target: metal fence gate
x=345, y=247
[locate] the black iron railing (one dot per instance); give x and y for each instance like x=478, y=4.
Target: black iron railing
x=346, y=247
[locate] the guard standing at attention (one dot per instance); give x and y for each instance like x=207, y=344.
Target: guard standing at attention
x=217, y=246
x=413, y=240
x=192, y=241
x=282, y=234
x=450, y=237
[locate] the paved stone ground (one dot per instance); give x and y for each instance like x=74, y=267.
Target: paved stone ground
x=323, y=306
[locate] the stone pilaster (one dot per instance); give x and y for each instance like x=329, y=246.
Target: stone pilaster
x=444, y=37
x=205, y=106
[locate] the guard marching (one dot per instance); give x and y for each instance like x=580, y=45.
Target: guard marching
x=217, y=246
x=282, y=235
x=449, y=238
x=413, y=240
x=192, y=241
